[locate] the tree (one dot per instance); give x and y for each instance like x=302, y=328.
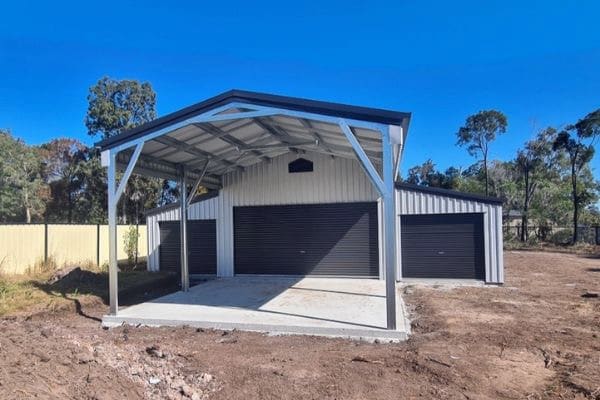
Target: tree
x=427, y=175
x=533, y=164
x=577, y=143
x=21, y=179
x=114, y=107
x=118, y=105
x=92, y=177
x=502, y=179
x=477, y=133
x=61, y=158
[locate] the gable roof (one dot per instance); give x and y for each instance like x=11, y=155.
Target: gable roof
x=262, y=99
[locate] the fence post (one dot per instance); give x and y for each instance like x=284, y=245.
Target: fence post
x=45, y=242
x=98, y=245
x=596, y=236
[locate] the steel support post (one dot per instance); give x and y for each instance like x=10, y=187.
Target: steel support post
x=112, y=234
x=389, y=227
x=109, y=160
x=185, y=277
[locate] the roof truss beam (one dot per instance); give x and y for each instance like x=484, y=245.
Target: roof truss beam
x=150, y=166
x=283, y=137
x=227, y=138
x=182, y=146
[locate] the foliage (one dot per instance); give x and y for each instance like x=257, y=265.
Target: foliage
x=117, y=105
x=114, y=107
x=93, y=203
x=62, y=159
x=22, y=189
x=479, y=130
x=576, y=143
x=130, y=240
x=533, y=164
x=426, y=175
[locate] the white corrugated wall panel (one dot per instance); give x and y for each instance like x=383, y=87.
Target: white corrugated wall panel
x=206, y=209
x=334, y=180
x=412, y=202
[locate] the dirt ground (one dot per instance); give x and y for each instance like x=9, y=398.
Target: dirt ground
x=536, y=337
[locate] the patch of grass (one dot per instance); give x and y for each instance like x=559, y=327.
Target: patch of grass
x=578, y=248
x=37, y=292
x=17, y=294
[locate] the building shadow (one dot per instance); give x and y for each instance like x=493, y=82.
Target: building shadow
x=77, y=282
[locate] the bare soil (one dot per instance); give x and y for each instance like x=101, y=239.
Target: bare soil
x=537, y=337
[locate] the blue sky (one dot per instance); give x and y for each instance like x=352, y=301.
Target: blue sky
x=537, y=61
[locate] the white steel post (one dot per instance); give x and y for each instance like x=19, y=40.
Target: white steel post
x=112, y=234
x=109, y=160
x=185, y=277
x=389, y=227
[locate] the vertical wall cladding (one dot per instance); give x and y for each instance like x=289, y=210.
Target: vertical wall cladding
x=414, y=202
x=333, y=180
x=207, y=209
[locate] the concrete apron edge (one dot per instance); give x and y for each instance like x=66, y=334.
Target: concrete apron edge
x=369, y=335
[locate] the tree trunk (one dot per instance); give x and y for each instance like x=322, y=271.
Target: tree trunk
x=524, y=224
x=27, y=208
x=485, y=172
x=575, y=203
x=70, y=211
x=525, y=217
x=123, y=211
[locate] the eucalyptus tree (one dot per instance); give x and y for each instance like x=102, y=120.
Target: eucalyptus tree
x=478, y=132
x=534, y=163
x=576, y=142
x=22, y=189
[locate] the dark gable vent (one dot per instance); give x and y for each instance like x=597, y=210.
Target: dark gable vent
x=300, y=165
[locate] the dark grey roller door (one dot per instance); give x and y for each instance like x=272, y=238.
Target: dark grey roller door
x=318, y=239
x=443, y=246
x=202, y=246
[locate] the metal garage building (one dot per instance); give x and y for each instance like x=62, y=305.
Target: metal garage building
x=281, y=216
x=300, y=187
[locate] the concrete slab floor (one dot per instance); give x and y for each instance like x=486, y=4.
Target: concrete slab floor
x=336, y=307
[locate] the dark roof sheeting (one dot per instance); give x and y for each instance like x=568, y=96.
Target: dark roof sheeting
x=262, y=99
x=448, y=193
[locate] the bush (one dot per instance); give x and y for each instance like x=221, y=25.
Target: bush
x=561, y=237
x=131, y=238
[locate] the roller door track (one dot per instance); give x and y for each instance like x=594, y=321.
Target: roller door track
x=317, y=239
x=202, y=246
x=447, y=246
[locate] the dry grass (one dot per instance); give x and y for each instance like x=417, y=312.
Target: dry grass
x=585, y=249
x=17, y=294
x=36, y=291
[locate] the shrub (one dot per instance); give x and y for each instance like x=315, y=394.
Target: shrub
x=561, y=237
x=131, y=244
